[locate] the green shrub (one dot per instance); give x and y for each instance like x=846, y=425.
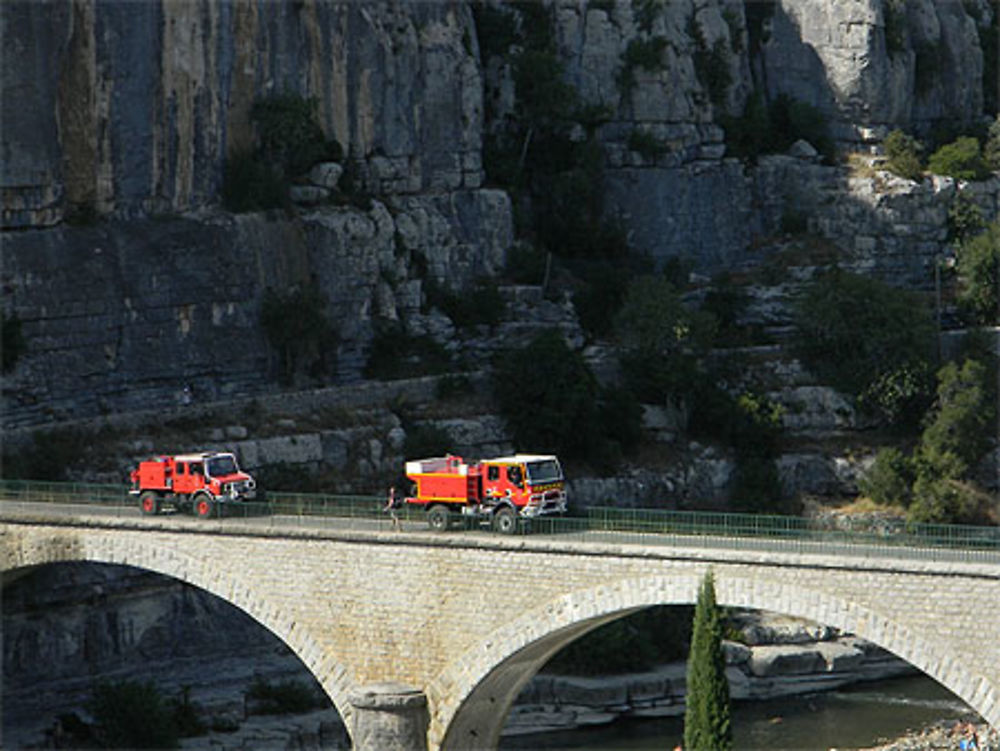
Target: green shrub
x=903, y=155
x=894, y=16
x=132, y=714
x=991, y=151
x=287, y=697
x=526, y=264
x=186, y=717
x=965, y=218
x=298, y=329
x=943, y=500
x=496, y=30
x=961, y=420
x=631, y=644
x=290, y=135
x=772, y=127
x=552, y=403
x=543, y=94
x=645, y=53
x=978, y=269
x=251, y=184
x=851, y=329
x=711, y=64
x=727, y=303
x=654, y=319
x=480, y=305
x=13, y=344
x=960, y=159
x=645, y=143
x=889, y=480
x=397, y=354
x=46, y=456
x=900, y=395
x=646, y=12
x=427, y=440
x=956, y=437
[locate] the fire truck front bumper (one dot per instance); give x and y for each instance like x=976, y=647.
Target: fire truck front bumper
x=239, y=491
x=542, y=504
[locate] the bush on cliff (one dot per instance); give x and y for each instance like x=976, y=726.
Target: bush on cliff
x=961, y=159
x=978, y=268
x=552, y=403
x=934, y=481
x=298, y=329
x=902, y=153
x=132, y=714
x=772, y=127
x=13, y=344
x=852, y=330
x=631, y=644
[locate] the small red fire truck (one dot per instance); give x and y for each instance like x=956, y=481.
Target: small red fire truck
x=198, y=483
x=494, y=490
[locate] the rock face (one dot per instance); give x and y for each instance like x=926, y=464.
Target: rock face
x=122, y=315
x=136, y=107
x=130, y=283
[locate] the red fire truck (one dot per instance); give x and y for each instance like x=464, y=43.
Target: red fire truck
x=198, y=483
x=498, y=491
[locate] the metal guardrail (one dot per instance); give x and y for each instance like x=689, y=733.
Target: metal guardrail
x=618, y=525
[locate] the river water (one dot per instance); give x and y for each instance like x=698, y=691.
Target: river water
x=861, y=716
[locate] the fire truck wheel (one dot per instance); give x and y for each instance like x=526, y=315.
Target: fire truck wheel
x=149, y=503
x=505, y=521
x=204, y=507
x=438, y=518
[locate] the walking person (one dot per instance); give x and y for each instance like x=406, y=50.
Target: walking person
x=392, y=504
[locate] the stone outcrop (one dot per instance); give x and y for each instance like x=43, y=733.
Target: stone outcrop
x=756, y=672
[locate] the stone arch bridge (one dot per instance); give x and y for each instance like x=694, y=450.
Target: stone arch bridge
x=423, y=641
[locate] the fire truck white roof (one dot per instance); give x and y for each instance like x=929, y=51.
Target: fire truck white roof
x=522, y=458
x=200, y=456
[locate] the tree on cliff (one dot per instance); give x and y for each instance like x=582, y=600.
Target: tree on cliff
x=707, y=717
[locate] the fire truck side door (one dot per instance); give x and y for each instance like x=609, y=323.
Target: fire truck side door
x=184, y=481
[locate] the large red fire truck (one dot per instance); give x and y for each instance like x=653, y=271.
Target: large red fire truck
x=199, y=483
x=495, y=490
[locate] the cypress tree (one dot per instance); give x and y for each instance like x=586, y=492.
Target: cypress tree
x=707, y=716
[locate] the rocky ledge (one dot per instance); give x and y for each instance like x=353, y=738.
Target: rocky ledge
x=755, y=672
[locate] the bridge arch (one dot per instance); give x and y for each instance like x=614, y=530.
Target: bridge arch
x=473, y=696
x=230, y=587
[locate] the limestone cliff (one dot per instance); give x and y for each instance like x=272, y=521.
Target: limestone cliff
x=118, y=119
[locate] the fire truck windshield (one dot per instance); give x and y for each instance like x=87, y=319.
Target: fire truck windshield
x=219, y=466
x=545, y=470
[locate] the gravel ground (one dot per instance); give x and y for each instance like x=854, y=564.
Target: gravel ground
x=954, y=735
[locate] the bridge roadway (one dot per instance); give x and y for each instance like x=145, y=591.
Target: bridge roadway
x=422, y=640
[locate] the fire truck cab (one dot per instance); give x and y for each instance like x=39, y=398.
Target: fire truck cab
x=498, y=491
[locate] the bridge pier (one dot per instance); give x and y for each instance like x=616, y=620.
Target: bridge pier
x=389, y=717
